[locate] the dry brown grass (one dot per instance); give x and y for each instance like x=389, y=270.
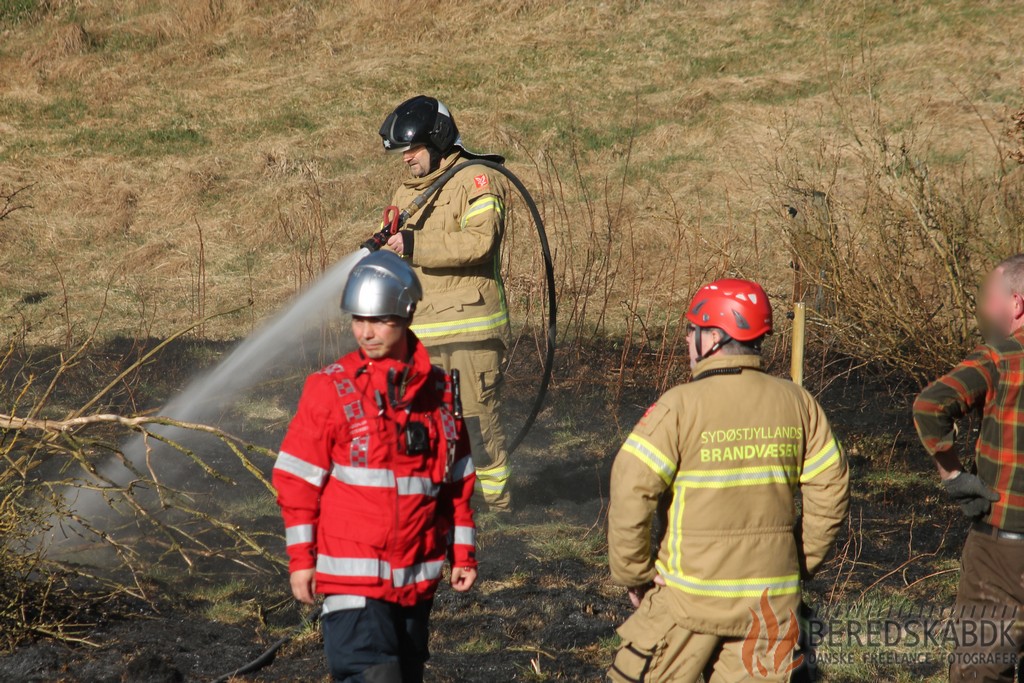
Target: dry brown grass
x=652, y=126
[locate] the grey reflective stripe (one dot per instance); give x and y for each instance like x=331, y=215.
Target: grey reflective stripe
x=417, y=486
x=337, y=603
x=814, y=466
x=362, y=476
x=352, y=566
x=424, y=571
x=307, y=471
x=300, y=533
x=465, y=535
x=481, y=324
x=768, y=474
x=462, y=469
x=739, y=588
x=648, y=454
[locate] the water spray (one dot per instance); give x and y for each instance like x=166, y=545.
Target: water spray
x=275, y=344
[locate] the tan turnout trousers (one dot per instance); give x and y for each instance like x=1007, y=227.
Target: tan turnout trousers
x=480, y=378
x=655, y=649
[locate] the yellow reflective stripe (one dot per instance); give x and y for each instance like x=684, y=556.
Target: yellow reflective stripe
x=493, y=480
x=732, y=588
x=482, y=324
x=650, y=456
x=498, y=281
x=825, y=457
x=481, y=206
x=494, y=488
x=499, y=472
x=742, y=476
x=676, y=515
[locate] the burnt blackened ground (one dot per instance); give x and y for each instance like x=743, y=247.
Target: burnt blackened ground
x=544, y=608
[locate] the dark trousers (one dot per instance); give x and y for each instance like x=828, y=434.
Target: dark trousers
x=988, y=604
x=380, y=643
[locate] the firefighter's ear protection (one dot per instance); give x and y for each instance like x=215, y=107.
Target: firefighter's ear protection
x=417, y=438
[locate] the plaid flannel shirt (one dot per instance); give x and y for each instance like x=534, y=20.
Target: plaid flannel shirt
x=991, y=377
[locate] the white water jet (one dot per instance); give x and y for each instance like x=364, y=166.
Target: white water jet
x=276, y=340
x=276, y=345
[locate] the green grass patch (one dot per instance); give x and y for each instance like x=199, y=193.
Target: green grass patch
x=128, y=41
x=13, y=108
x=15, y=11
x=669, y=163
x=17, y=148
x=172, y=138
x=481, y=645
x=251, y=508
x=229, y=603
x=787, y=93
x=956, y=157
x=64, y=111
x=706, y=66
x=559, y=542
x=594, y=139
x=609, y=644
x=290, y=119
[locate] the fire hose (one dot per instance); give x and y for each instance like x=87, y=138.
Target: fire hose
x=266, y=658
x=393, y=221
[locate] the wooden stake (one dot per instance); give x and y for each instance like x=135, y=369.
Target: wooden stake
x=796, y=368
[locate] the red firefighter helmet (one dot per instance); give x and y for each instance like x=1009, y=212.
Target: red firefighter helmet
x=740, y=308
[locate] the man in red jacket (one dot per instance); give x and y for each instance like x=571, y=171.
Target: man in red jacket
x=374, y=481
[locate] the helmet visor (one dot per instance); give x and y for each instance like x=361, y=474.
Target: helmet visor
x=392, y=137
x=412, y=123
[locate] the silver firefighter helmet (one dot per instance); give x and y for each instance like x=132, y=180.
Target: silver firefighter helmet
x=381, y=285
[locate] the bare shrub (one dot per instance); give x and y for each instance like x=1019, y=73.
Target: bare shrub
x=889, y=248
x=625, y=276
x=304, y=228
x=46, y=459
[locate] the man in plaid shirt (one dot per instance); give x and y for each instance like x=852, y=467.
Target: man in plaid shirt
x=990, y=379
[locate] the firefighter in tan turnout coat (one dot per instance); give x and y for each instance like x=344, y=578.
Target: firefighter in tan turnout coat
x=727, y=452
x=454, y=245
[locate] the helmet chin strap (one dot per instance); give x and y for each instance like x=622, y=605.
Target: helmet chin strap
x=436, y=157
x=722, y=341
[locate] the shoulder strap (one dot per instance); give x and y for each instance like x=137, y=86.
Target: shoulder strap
x=449, y=413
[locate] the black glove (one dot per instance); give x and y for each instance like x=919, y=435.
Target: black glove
x=408, y=243
x=974, y=496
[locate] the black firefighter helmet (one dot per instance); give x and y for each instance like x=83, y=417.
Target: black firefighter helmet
x=424, y=120
x=421, y=120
